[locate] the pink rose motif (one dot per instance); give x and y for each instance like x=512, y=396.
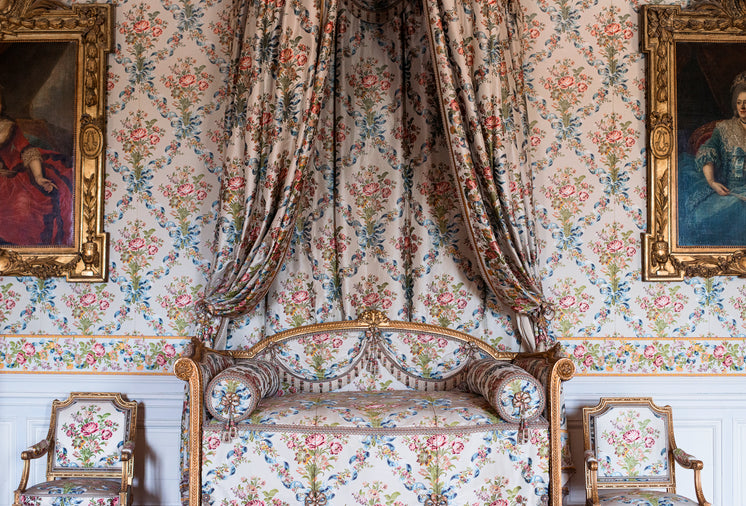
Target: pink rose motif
x=588, y=361
x=369, y=80
x=649, y=442
x=106, y=434
x=286, y=54
x=579, y=351
x=103, y=305
x=492, y=122
x=300, y=296
x=436, y=441
x=137, y=243
x=445, y=298
x=315, y=440
x=301, y=60
x=442, y=342
x=256, y=502
x=662, y=301
x=141, y=26
x=152, y=249
x=615, y=245
x=28, y=349
x=584, y=306
x=87, y=299
x=157, y=31
x=583, y=196
x=337, y=342
x=203, y=85
x=567, y=190
x=185, y=189
x=614, y=136
x=612, y=28
x=582, y=87
x=10, y=304
x=566, y=81
x=187, y=80
x=213, y=442
x=20, y=358
x=567, y=301
x=457, y=447
x=169, y=350
x=534, y=33
x=628, y=34
x=89, y=428
x=370, y=298
x=90, y=358
x=500, y=502
x=99, y=349
x=719, y=351
x=335, y=447
x=535, y=140
x=728, y=360
x=236, y=183
x=658, y=361
x=649, y=351
x=461, y=303
x=631, y=435
x=183, y=300
x=160, y=359
x=370, y=189
x=138, y=133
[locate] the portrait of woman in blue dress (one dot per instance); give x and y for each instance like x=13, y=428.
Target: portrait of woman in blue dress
x=712, y=183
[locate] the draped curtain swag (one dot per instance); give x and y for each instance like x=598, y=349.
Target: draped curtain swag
x=478, y=61
x=279, y=68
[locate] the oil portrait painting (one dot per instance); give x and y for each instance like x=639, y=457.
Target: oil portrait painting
x=37, y=118
x=711, y=114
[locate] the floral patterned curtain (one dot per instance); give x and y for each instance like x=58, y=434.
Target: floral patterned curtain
x=279, y=66
x=378, y=225
x=478, y=61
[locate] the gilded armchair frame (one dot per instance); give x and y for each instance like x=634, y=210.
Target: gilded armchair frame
x=592, y=484
x=46, y=447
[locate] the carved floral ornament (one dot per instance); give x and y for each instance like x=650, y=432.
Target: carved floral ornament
x=85, y=31
x=671, y=248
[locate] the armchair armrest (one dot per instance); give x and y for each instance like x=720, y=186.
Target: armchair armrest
x=32, y=452
x=126, y=459
x=690, y=462
x=591, y=464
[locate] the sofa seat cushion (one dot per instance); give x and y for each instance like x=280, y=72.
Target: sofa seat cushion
x=389, y=409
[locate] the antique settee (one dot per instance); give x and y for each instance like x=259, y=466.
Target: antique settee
x=374, y=411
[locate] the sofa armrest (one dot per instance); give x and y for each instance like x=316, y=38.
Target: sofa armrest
x=234, y=393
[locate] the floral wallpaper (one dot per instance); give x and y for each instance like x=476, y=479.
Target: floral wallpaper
x=586, y=80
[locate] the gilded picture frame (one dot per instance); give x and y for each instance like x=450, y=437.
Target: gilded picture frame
x=52, y=123
x=695, y=60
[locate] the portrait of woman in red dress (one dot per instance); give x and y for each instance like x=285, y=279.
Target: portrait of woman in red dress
x=36, y=197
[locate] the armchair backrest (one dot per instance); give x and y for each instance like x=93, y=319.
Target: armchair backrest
x=631, y=438
x=88, y=431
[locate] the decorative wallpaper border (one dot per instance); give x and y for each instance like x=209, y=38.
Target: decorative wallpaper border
x=39, y=354
x=657, y=356
x=155, y=355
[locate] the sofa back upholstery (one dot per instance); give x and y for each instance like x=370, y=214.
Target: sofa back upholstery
x=371, y=352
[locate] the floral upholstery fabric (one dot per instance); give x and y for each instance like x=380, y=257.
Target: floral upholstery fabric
x=90, y=435
x=388, y=447
x=644, y=498
x=73, y=491
x=631, y=443
x=514, y=393
x=235, y=392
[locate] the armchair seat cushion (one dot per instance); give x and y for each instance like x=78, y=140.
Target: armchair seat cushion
x=79, y=491
x=643, y=498
x=388, y=409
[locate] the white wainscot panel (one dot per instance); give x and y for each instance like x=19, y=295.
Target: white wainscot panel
x=709, y=422
x=25, y=407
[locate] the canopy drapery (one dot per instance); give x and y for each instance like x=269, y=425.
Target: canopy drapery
x=376, y=157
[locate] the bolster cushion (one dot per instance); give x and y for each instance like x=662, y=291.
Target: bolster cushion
x=235, y=392
x=513, y=393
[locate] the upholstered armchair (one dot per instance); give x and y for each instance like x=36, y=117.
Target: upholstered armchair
x=630, y=453
x=89, y=449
